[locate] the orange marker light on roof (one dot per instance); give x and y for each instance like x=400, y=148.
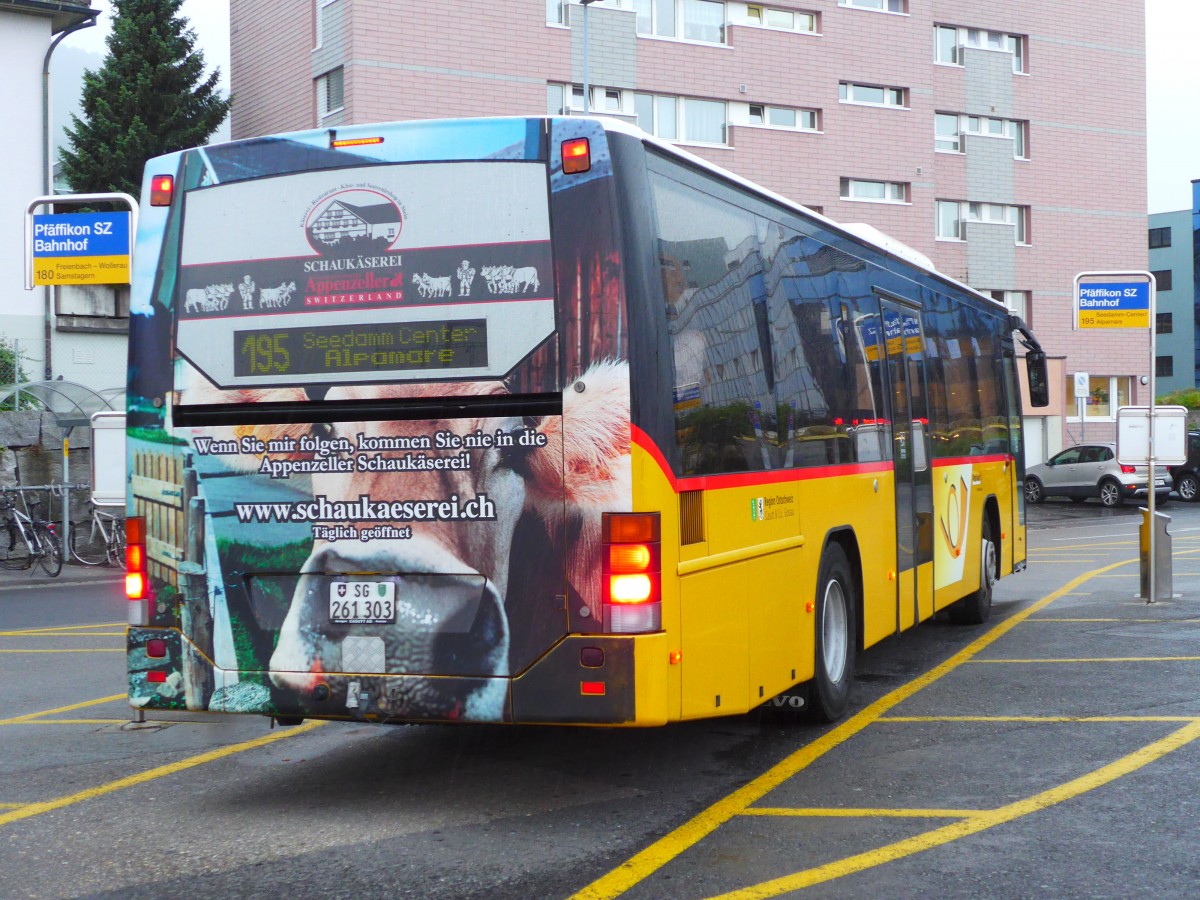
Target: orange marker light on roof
x=576, y=156
x=162, y=189
x=355, y=142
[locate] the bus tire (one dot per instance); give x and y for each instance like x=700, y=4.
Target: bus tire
x=976, y=608
x=836, y=640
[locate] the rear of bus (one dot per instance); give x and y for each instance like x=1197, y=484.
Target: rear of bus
x=379, y=431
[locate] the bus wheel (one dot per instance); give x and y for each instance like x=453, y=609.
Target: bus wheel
x=976, y=608
x=835, y=637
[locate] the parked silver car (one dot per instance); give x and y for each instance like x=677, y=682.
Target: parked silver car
x=1091, y=470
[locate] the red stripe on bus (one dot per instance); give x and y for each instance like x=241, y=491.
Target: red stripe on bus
x=749, y=479
x=970, y=460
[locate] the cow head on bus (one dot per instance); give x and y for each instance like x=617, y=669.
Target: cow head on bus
x=451, y=558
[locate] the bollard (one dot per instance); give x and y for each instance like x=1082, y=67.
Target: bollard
x=1162, y=557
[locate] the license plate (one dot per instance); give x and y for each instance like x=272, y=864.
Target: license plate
x=362, y=602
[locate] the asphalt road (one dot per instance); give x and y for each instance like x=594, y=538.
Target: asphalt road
x=1051, y=752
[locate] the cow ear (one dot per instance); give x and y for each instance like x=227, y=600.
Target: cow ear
x=586, y=458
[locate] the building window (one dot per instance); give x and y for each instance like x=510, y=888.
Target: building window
x=946, y=133
x=691, y=20
x=1160, y=238
x=1162, y=279
x=784, y=117
x=1164, y=366
x=952, y=216
x=565, y=100
x=949, y=128
x=872, y=95
x=319, y=23
x=556, y=10
x=681, y=118
x=1016, y=301
x=874, y=191
x=949, y=42
x=1163, y=323
x=1106, y=394
x=780, y=19
x=892, y=6
x=330, y=92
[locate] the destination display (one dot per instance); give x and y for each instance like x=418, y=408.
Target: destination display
x=336, y=349
x=381, y=274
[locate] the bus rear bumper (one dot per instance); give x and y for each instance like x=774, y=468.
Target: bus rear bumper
x=596, y=680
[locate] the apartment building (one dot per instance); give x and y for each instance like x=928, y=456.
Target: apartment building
x=1172, y=261
x=1006, y=141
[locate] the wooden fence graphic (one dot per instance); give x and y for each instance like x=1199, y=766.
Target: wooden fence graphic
x=157, y=480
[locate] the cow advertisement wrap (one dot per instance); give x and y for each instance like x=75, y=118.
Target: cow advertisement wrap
x=415, y=543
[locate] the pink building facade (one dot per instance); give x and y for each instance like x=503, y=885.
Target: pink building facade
x=1006, y=141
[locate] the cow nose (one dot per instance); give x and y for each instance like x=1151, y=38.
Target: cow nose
x=477, y=643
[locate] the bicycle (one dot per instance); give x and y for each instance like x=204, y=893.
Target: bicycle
x=30, y=538
x=100, y=540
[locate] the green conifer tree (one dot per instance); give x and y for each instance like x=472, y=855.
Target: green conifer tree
x=149, y=97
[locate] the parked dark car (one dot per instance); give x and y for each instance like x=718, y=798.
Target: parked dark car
x=1186, y=478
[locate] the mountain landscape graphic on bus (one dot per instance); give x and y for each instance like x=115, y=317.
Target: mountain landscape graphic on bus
x=353, y=222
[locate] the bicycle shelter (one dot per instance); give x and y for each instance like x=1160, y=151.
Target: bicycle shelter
x=74, y=405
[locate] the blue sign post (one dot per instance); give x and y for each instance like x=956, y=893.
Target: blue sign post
x=1125, y=300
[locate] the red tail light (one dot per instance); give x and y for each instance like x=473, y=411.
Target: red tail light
x=162, y=189
x=1127, y=470
x=632, y=573
x=136, y=583
x=576, y=156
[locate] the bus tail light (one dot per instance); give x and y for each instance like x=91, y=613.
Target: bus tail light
x=632, y=572
x=162, y=189
x=576, y=156
x=137, y=584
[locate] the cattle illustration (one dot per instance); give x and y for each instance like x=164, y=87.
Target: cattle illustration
x=452, y=572
x=213, y=298
x=274, y=298
x=509, y=280
x=432, y=285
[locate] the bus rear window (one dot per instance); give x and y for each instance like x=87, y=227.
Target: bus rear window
x=386, y=273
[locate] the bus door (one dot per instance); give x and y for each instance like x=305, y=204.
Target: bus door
x=1014, y=550
x=905, y=342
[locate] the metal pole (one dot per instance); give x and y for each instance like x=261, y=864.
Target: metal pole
x=1150, y=482
x=66, y=495
x=48, y=169
x=587, y=100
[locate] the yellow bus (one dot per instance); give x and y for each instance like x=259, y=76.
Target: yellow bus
x=542, y=420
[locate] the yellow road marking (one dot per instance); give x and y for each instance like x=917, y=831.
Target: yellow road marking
x=30, y=810
x=1104, y=659
x=974, y=824
x=74, y=650
x=49, y=633
x=29, y=717
x=1050, y=719
x=60, y=628
x=11, y=805
x=827, y=813
x=1133, y=621
x=99, y=722
x=665, y=849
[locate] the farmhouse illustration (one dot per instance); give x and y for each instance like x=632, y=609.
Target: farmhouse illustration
x=342, y=221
